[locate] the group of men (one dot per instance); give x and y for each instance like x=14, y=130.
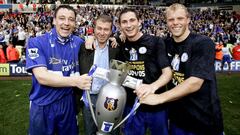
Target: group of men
x=60, y=62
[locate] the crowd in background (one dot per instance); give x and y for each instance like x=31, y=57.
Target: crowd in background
x=16, y=28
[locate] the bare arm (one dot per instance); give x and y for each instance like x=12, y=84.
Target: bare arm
x=50, y=79
x=187, y=87
x=145, y=89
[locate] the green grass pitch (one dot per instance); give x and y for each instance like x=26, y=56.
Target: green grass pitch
x=14, y=105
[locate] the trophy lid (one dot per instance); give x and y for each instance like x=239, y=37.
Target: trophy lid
x=118, y=65
x=118, y=71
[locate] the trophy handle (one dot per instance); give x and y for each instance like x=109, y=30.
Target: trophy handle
x=91, y=108
x=135, y=107
x=87, y=92
x=130, y=82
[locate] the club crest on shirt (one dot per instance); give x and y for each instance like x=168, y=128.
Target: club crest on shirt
x=175, y=62
x=133, y=54
x=110, y=104
x=33, y=53
x=184, y=57
x=142, y=50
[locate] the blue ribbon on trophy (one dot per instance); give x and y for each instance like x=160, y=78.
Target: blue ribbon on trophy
x=90, y=73
x=112, y=96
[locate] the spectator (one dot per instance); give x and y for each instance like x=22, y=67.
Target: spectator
x=14, y=39
x=2, y=37
x=2, y=42
x=12, y=53
x=226, y=57
x=7, y=37
x=218, y=24
x=236, y=51
x=218, y=51
x=21, y=37
x=2, y=55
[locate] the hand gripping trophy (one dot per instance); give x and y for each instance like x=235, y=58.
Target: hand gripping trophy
x=112, y=97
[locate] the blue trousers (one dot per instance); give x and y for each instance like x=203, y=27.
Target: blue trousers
x=89, y=126
x=56, y=118
x=157, y=123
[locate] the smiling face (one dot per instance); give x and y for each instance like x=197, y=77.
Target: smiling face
x=129, y=24
x=102, y=31
x=178, y=23
x=64, y=22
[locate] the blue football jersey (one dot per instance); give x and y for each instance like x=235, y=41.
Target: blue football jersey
x=59, y=58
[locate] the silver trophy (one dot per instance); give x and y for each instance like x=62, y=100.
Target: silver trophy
x=112, y=97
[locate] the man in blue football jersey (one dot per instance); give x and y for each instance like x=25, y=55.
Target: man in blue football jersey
x=53, y=60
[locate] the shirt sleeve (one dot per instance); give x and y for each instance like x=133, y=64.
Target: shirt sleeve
x=161, y=54
x=34, y=54
x=203, y=55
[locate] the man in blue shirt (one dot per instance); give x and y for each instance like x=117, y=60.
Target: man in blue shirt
x=53, y=60
x=100, y=56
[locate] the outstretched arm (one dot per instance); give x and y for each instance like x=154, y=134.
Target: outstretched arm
x=53, y=80
x=187, y=87
x=144, y=90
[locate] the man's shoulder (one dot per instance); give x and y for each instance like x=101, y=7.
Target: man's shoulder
x=168, y=38
x=84, y=51
x=201, y=42
x=39, y=40
x=198, y=37
x=77, y=39
x=150, y=40
x=148, y=37
x=113, y=51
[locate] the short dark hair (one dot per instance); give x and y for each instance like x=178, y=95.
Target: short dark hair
x=66, y=7
x=105, y=18
x=125, y=10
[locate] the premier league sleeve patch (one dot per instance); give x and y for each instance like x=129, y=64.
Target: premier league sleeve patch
x=33, y=53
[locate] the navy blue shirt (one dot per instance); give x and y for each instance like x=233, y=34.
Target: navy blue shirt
x=200, y=111
x=146, y=57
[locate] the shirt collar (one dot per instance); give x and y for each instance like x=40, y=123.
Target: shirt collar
x=98, y=48
x=60, y=39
